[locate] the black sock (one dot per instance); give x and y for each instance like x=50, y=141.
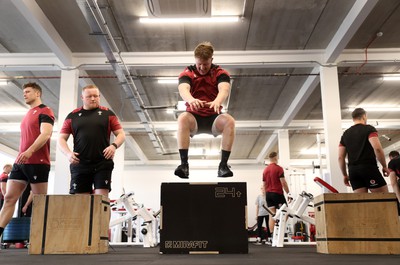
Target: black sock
x=1, y=230
x=184, y=155
x=225, y=156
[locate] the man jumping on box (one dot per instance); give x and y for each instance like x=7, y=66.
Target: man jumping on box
x=204, y=87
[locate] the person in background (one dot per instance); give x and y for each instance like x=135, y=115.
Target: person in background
x=275, y=185
x=361, y=145
x=262, y=214
x=91, y=160
x=3, y=182
x=32, y=165
x=394, y=175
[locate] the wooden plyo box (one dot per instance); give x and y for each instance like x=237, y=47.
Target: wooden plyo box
x=353, y=223
x=69, y=224
x=203, y=218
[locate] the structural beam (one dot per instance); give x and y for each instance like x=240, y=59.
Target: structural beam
x=351, y=23
x=41, y=24
x=230, y=59
x=348, y=28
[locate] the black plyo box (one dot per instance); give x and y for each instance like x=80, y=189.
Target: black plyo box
x=203, y=218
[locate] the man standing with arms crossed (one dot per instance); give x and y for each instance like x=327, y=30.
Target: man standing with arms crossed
x=91, y=161
x=32, y=165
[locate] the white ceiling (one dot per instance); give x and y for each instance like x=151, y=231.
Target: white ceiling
x=274, y=55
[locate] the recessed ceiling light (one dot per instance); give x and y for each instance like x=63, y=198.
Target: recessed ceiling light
x=391, y=78
x=376, y=108
x=189, y=20
x=168, y=81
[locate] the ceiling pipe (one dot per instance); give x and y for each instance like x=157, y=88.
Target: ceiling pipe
x=109, y=46
x=233, y=76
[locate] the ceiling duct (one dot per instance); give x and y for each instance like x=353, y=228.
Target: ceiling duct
x=100, y=30
x=178, y=8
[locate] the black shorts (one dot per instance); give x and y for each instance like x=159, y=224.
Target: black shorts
x=86, y=177
x=365, y=176
x=4, y=180
x=32, y=173
x=204, y=124
x=275, y=199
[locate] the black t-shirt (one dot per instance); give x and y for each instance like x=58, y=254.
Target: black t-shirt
x=394, y=165
x=358, y=147
x=91, y=130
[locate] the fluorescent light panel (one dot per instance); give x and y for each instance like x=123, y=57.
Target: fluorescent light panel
x=205, y=136
x=377, y=108
x=181, y=105
x=11, y=112
x=391, y=78
x=167, y=81
x=147, y=20
x=3, y=82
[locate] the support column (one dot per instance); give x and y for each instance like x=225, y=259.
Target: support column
x=284, y=149
x=68, y=102
x=332, y=124
x=284, y=154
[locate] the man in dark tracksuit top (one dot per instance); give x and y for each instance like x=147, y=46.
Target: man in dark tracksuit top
x=362, y=146
x=91, y=161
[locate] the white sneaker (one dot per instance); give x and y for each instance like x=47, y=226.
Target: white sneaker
x=258, y=242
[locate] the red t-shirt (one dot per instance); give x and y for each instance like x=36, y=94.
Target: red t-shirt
x=204, y=87
x=271, y=177
x=30, y=130
x=3, y=176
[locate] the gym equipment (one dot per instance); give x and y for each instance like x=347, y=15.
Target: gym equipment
x=325, y=185
x=69, y=224
x=295, y=209
x=17, y=231
x=357, y=223
x=132, y=211
x=203, y=218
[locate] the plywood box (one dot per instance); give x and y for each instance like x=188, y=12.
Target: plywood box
x=203, y=218
x=352, y=223
x=69, y=224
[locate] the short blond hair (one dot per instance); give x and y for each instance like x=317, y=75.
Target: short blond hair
x=7, y=165
x=204, y=50
x=89, y=87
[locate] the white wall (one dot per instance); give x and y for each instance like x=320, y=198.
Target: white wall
x=145, y=182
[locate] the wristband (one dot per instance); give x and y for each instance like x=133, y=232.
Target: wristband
x=115, y=145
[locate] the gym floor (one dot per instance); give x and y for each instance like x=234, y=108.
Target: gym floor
x=136, y=255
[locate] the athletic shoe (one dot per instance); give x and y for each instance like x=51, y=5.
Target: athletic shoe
x=258, y=242
x=182, y=171
x=224, y=171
